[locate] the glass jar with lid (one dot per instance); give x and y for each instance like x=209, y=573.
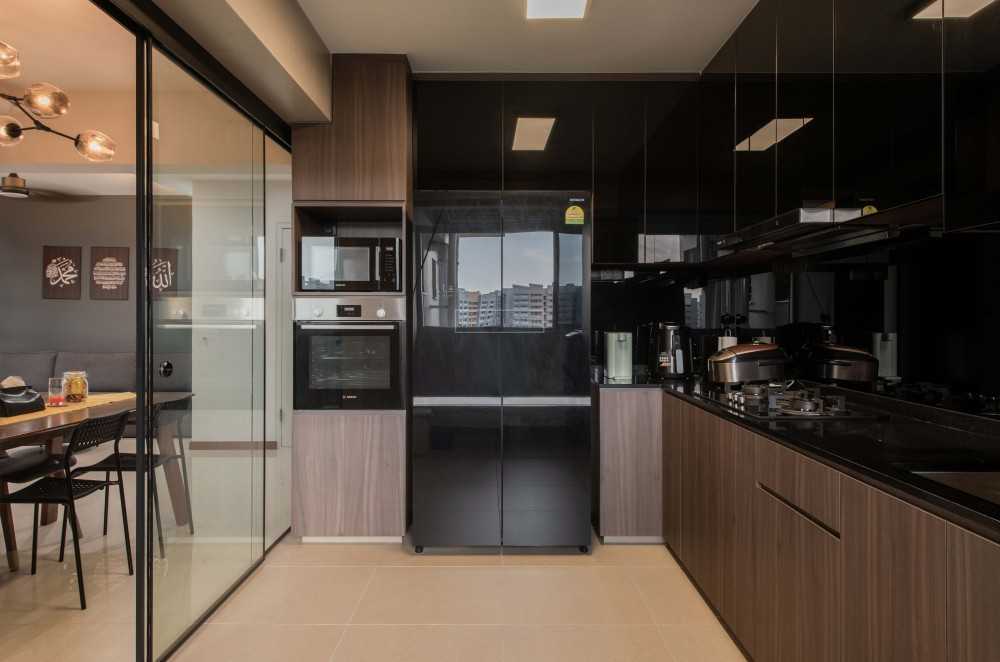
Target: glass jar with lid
x=76, y=388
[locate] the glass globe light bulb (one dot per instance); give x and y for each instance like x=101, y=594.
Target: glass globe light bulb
x=11, y=132
x=94, y=145
x=46, y=101
x=10, y=62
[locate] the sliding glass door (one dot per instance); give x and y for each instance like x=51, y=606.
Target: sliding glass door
x=206, y=287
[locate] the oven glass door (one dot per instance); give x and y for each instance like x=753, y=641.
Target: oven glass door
x=347, y=366
x=331, y=264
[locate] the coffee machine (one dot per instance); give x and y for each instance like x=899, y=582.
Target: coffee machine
x=672, y=357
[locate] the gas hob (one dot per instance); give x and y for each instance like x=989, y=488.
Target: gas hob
x=785, y=401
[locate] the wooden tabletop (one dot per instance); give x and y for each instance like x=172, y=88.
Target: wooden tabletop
x=56, y=422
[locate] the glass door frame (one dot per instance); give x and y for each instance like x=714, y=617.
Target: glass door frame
x=153, y=28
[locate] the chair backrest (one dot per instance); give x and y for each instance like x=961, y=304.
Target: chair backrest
x=95, y=431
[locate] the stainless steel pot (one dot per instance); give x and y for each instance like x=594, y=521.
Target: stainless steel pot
x=839, y=363
x=754, y=362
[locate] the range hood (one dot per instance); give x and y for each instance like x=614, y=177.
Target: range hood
x=811, y=232
x=791, y=224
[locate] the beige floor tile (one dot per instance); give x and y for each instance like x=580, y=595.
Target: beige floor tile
x=297, y=595
x=423, y=595
x=670, y=596
x=292, y=552
x=633, y=555
x=91, y=642
x=217, y=642
x=588, y=643
x=420, y=643
x=572, y=596
x=700, y=643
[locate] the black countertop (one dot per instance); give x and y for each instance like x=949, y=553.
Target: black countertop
x=895, y=450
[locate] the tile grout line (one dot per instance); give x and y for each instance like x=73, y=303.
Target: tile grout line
x=652, y=615
x=354, y=612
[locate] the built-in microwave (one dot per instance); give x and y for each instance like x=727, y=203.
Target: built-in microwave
x=329, y=263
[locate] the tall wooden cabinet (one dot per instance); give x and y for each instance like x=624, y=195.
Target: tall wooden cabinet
x=631, y=471
x=364, y=154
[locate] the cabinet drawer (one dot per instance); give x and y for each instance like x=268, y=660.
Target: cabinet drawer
x=804, y=484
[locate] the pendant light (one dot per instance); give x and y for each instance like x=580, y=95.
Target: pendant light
x=13, y=186
x=44, y=101
x=10, y=63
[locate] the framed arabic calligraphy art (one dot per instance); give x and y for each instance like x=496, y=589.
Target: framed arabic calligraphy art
x=163, y=272
x=109, y=267
x=62, y=267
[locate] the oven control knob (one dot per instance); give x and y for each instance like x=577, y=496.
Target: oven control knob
x=317, y=312
x=380, y=313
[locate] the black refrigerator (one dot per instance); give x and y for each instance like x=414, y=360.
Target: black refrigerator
x=500, y=438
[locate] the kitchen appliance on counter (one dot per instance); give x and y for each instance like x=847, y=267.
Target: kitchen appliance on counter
x=747, y=363
x=829, y=362
x=672, y=357
x=784, y=401
x=347, y=353
x=618, y=357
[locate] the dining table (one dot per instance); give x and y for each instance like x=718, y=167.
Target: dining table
x=53, y=426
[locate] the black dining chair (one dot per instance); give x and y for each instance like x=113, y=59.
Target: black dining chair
x=128, y=464
x=20, y=465
x=67, y=489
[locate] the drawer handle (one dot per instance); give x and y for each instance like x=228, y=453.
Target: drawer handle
x=826, y=527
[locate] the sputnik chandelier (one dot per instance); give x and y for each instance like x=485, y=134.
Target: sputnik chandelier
x=44, y=101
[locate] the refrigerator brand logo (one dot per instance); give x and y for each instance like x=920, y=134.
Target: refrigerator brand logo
x=350, y=397
x=574, y=215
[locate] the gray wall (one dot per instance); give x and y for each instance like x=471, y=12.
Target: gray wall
x=27, y=321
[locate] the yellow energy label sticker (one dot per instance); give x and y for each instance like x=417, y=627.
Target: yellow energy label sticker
x=575, y=215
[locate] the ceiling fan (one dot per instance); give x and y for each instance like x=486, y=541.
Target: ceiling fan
x=15, y=186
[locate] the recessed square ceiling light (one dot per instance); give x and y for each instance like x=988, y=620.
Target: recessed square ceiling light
x=952, y=9
x=542, y=9
x=531, y=134
x=772, y=133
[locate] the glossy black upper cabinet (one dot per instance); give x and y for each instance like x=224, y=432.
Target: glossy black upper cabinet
x=563, y=161
x=972, y=119
x=671, y=225
x=458, y=135
x=804, y=151
x=756, y=130
x=618, y=172
x=716, y=139
x=888, y=81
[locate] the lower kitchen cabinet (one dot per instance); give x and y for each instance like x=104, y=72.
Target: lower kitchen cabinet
x=803, y=562
x=673, y=469
x=896, y=578
x=799, y=584
x=973, y=597
x=631, y=462
x=349, y=474
x=706, y=500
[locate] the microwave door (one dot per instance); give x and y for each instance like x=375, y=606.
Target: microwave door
x=354, y=266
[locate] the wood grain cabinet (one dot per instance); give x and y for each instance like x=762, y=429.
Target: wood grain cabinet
x=973, y=597
x=348, y=474
x=673, y=470
x=364, y=154
x=895, y=574
x=631, y=463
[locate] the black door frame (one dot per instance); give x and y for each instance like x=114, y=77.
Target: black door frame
x=155, y=29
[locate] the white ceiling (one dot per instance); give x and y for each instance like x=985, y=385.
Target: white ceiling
x=493, y=36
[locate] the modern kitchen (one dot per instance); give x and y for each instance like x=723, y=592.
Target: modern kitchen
x=628, y=331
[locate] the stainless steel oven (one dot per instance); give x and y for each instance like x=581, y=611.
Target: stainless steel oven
x=347, y=353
